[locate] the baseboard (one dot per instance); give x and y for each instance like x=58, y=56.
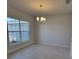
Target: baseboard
x=56, y=45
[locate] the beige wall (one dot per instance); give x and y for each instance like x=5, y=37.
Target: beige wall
x=56, y=30
x=12, y=12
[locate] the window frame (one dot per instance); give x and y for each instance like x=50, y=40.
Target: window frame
x=20, y=42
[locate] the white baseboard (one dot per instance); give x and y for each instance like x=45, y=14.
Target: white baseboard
x=55, y=45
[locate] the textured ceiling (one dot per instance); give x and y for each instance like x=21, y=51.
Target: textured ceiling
x=49, y=7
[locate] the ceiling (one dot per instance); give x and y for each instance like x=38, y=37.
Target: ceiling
x=49, y=7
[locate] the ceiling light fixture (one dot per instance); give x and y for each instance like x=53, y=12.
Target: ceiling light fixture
x=41, y=19
x=41, y=5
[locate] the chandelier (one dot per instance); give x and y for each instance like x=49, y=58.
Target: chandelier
x=40, y=19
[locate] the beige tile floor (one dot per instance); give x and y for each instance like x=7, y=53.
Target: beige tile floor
x=41, y=52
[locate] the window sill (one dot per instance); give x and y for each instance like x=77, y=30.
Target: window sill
x=18, y=43
x=18, y=46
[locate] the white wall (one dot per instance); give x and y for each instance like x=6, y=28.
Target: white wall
x=56, y=30
x=71, y=52
x=12, y=12
x=71, y=49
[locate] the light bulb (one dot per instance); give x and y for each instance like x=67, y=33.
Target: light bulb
x=37, y=18
x=44, y=19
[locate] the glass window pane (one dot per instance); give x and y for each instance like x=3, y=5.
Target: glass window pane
x=24, y=27
x=24, y=22
x=13, y=27
x=10, y=28
x=9, y=20
x=25, y=36
x=12, y=21
x=13, y=24
x=17, y=27
x=14, y=37
x=10, y=37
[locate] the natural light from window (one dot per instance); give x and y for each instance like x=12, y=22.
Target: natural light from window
x=18, y=31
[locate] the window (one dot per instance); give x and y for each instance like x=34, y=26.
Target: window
x=18, y=31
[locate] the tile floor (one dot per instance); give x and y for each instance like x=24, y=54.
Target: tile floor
x=41, y=52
